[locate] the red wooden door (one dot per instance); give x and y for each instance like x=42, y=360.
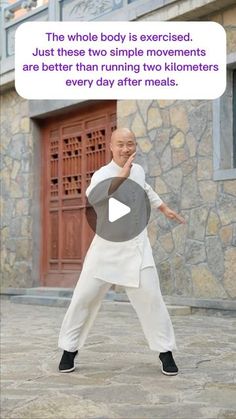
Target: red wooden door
x=74, y=146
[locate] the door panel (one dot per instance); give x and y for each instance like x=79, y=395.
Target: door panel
x=74, y=146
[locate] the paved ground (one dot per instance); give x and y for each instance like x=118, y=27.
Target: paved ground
x=117, y=376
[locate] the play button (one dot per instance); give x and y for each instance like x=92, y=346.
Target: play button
x=116, y=210
x=118, y=214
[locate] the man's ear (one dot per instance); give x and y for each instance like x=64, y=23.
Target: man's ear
x=111, y=146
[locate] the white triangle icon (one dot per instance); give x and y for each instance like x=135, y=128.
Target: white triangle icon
x=116, y=210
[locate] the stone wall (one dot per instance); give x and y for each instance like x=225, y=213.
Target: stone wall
x=17, y=148
x=175, y=148
x=175, y=142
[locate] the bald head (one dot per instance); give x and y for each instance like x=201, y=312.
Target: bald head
x=122, y=133
x=123, y=144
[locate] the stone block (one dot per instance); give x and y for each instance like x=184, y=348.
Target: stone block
x=234, y=234
x=165, y=116
x=173, y=178
x=178, y=140
x=161, y=140
x=227, y=210
x=182, y=276
x=124, y=121
x=197, y=223
x=143, y=106
x=217, y=17
x=179, y=155
x=230, y=187
x=5, y=177
x=154, y=167
x=23, y=207
x=165, y=103
x=179, y=118
x=226, y=235
x=154, y=119
x=160, y=186
x=26, y=227
x=25, y=125
x=215, y=256
x=12, y=258
x=24, y=108
x=179, y=237
x=159, y=254
x=15, y=128
x=231, y=39
x=15, y=169
x=205, y=284
x=144, y=144
x=16, y=146
x=204, y=168
x=167, y=242
x=15, y=227
x=166, y=281
x=229, y=16
x=188, y=166
x=198, y=119
x=126, y=107
x=23, y=249
x=205, y=145
x=190, y=194
x=4, y=233
x=213, y=224
x=191, y=143
x=152, y=233
x=138, y=126
x=16, y=190
x=208, y=190
x=195, y=252
x=165, y=159
x=230, y=272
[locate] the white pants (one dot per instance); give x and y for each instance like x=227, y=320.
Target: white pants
x=146, y=300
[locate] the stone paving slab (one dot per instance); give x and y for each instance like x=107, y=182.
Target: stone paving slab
x=116, y=375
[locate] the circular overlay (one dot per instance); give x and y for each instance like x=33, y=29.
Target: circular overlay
x=118, y=210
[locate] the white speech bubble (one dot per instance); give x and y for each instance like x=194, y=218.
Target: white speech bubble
x=120, y=60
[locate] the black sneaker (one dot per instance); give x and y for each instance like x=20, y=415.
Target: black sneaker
x=67, y=361
x=168, y=365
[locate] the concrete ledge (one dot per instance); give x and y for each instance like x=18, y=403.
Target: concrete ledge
x=41, y=300
x=52, y=295
x=216, y=304
x=127, y=307
x=48, y=296
x=49, y=291
x=110, y=305
x=202, y=302
x=13, y=291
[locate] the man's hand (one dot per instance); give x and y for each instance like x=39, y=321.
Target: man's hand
x=172, y=215
x=125, y=171
x=124, y=174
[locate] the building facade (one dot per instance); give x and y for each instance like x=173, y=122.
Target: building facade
x=50, y=149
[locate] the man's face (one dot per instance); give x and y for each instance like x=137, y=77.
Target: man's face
x=122, y=146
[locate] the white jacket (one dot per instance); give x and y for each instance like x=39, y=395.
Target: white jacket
x=120, y=262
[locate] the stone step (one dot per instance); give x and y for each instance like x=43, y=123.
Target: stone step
x=174, y=310
x=111, y=304
x=60, y=297
x=44, y=291
x=42, y=300
x=57, y=298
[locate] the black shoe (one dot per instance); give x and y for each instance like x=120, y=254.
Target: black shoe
x=168, y=365
x=67, y=361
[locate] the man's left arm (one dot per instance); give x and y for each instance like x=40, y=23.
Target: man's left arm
x=157, y=203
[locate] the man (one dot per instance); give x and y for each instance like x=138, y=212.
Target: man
x=128, y=263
